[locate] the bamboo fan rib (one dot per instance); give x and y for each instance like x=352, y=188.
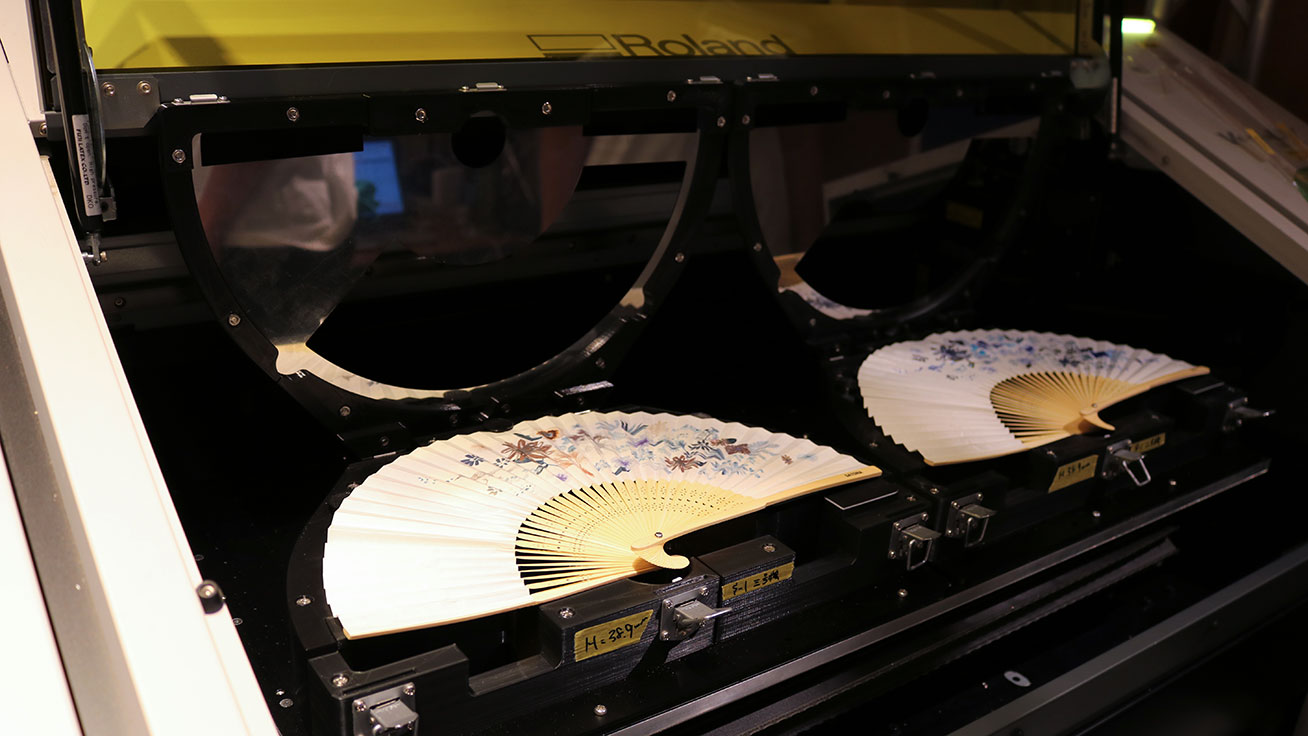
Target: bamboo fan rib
x=971, y=395
x=493, y=521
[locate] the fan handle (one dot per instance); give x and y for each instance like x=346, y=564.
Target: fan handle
x=651, y=550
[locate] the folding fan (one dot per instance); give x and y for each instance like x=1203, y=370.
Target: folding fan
x=958, y=396
x=493, y=521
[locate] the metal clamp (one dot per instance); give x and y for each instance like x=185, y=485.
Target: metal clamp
x=912, y=541
x=683, y=614
x=389, y=712
x=1122, y=459
x=1238, y=412
x=968, y=519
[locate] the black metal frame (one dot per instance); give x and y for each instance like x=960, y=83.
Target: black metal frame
x=541, y=389
x=888, y=93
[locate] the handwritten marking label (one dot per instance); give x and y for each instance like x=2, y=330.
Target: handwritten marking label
x=757, y=581
x=593, y=641
x=1074, y=472
x=1151, y=443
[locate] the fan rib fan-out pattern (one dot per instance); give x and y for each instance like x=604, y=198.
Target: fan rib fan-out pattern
x=977, y=394
x=492, y=521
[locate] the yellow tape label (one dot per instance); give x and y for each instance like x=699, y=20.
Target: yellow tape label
x=755, y=582
x=1152, y=443
x=593, y=641
x=1075, y=472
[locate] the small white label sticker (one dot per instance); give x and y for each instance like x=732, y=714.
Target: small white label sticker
x=86, y=165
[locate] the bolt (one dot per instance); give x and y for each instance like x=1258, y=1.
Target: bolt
x=679, y=258
x=744, y=120
x=384, y=441
x=769, y=548
x=891, y=555
x=208, y=590
x=546, y=109
x=144, y=87
x=340, y=680
x=903, y=593
x=233, y=319
x=566, y=612
x=664, y=634
x=812, y=91
x=923, y=517
x=1095, y=514
x=979, y=497
x=703, y=590
x=1171, y=483
x=758, y=247
x=108, y=89
x=179, y=156
x=360, y=706
x=600, y=363
x=912, y=498
x=292, y=114
x=667, y=603
x=303, y=600
x=672, y=96
x=933, y=491
x=953, y=504
x=722, y=122
x=420, y=115
x=286, y=702
x=601, y=710
x=409, y=689
x=343, y=411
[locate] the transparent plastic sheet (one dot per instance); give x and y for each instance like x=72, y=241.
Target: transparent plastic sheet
x=449, y=260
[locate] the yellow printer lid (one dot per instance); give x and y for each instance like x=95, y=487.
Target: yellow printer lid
x=157, y=34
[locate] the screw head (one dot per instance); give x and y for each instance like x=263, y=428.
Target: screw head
x=744, y=120
x=758, y=247
x=601, y=710
x=343, y=411
x=292, y=114
x=286, y=702
x=1095, y=514
x=179, y=156
x=722, y=122
x=237, y=621
x=409, y=689
x=672, y=96
x=600, y=363
x=420, y=115
x=120, y=302
x=903, y=593
x=44, y=129
x=233, y=319
x=109, y=89
x=144, y=87
x=566, y=612
x=546, y=108
x=303, y=601
x=679, y=258
x=340, y=680
x=769, y=548
x=703, y=590
x=1171, y=483
x=360, y=706
x=208, y=590
x=812, y=91
x=885, y=94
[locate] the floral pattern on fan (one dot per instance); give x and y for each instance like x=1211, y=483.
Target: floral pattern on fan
x=681, y=447
x=971, y=358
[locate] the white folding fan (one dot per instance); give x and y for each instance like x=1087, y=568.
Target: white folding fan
x=957, y=396
x=493, y=521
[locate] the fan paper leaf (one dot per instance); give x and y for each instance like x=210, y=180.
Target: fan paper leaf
x=977, y=394
x=492, y=521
